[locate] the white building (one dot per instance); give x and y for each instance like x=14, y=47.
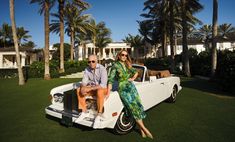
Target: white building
x=27, y=56
x=201, y=47
x=111, y=50
x=108, y=52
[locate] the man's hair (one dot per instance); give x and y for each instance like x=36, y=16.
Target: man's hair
x=93, y=55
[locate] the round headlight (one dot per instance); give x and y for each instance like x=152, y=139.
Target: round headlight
x=58, y=98
x=55, y=98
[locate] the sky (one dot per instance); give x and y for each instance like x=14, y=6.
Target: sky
x=120, y=16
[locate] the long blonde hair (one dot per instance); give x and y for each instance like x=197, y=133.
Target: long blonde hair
x=128, y=61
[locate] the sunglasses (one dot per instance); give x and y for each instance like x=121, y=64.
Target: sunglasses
x=91, y=61
x=124, y=55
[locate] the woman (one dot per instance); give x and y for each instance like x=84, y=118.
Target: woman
x=125, y=74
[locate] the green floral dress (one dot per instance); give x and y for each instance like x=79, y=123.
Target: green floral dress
x=127, y=90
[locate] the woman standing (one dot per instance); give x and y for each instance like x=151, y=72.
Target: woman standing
x=122, y=71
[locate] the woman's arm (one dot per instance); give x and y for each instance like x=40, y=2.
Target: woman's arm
x=108, y=90
x=111, y=79
x=133, y=77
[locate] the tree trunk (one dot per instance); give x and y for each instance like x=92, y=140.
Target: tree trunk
x=145, y=52
x=46, y=50
x=20, y=71
x=94, y=42
x=214, y=35
x=76, y=52
x=163, y=45
x=185, y=44
x=72, y=44
x=163, y=30
x=172, y=36
x=84, y=50
x=100, y=54
x=61, y=12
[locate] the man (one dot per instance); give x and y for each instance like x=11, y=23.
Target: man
x=94, y=82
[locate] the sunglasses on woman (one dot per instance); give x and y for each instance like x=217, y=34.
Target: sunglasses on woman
x=91, y=61
x=124, y=55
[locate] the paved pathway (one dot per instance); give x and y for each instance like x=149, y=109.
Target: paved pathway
x=73, y=75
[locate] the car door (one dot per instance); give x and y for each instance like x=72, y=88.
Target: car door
x=152, y=92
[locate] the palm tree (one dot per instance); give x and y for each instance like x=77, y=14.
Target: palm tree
x=102, y=37
x=158, y=15
x=82, y=5
x=214, y=36
x=144, y=31
x=185, y=44
x=93, y=34
x=157, y=19
x=171, y=25
x=20, y=71
x=225, y=29
x=82, y=39
x=99, y=35
x=188, y=8
x=85, y=32
x=61, y=13
x=136, y=42
x=163, y=15
x=149, y=30
x=45, y=6
x=205, y=33
x=162, y=26
x=29, y=44
x=74, y=22
x=6, y=35
x=174, y=25
x=56, y=54
x=22, y=34
x=71, y=15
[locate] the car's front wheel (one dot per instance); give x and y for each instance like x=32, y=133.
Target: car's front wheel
x=125, y=123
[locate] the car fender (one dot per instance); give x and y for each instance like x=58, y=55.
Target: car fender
x=113, y=107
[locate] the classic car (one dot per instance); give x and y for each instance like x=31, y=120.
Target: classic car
x=152, y=89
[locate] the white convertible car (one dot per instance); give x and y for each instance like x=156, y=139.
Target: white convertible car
x=152, y=91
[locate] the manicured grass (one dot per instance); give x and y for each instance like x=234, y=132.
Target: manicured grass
x=200, y=114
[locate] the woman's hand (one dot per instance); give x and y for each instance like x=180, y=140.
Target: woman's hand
x=131, y=79
x=134, y=77
x=108, y=91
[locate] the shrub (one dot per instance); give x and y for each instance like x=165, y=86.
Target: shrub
x=200, y=64
x=8, y=73
x=225, y=73
x=158, y=63
x=36, y=69
x=75, y=66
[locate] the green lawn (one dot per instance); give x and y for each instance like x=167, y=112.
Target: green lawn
x=200, y=114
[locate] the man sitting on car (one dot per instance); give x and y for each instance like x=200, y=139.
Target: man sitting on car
x=94, y=82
